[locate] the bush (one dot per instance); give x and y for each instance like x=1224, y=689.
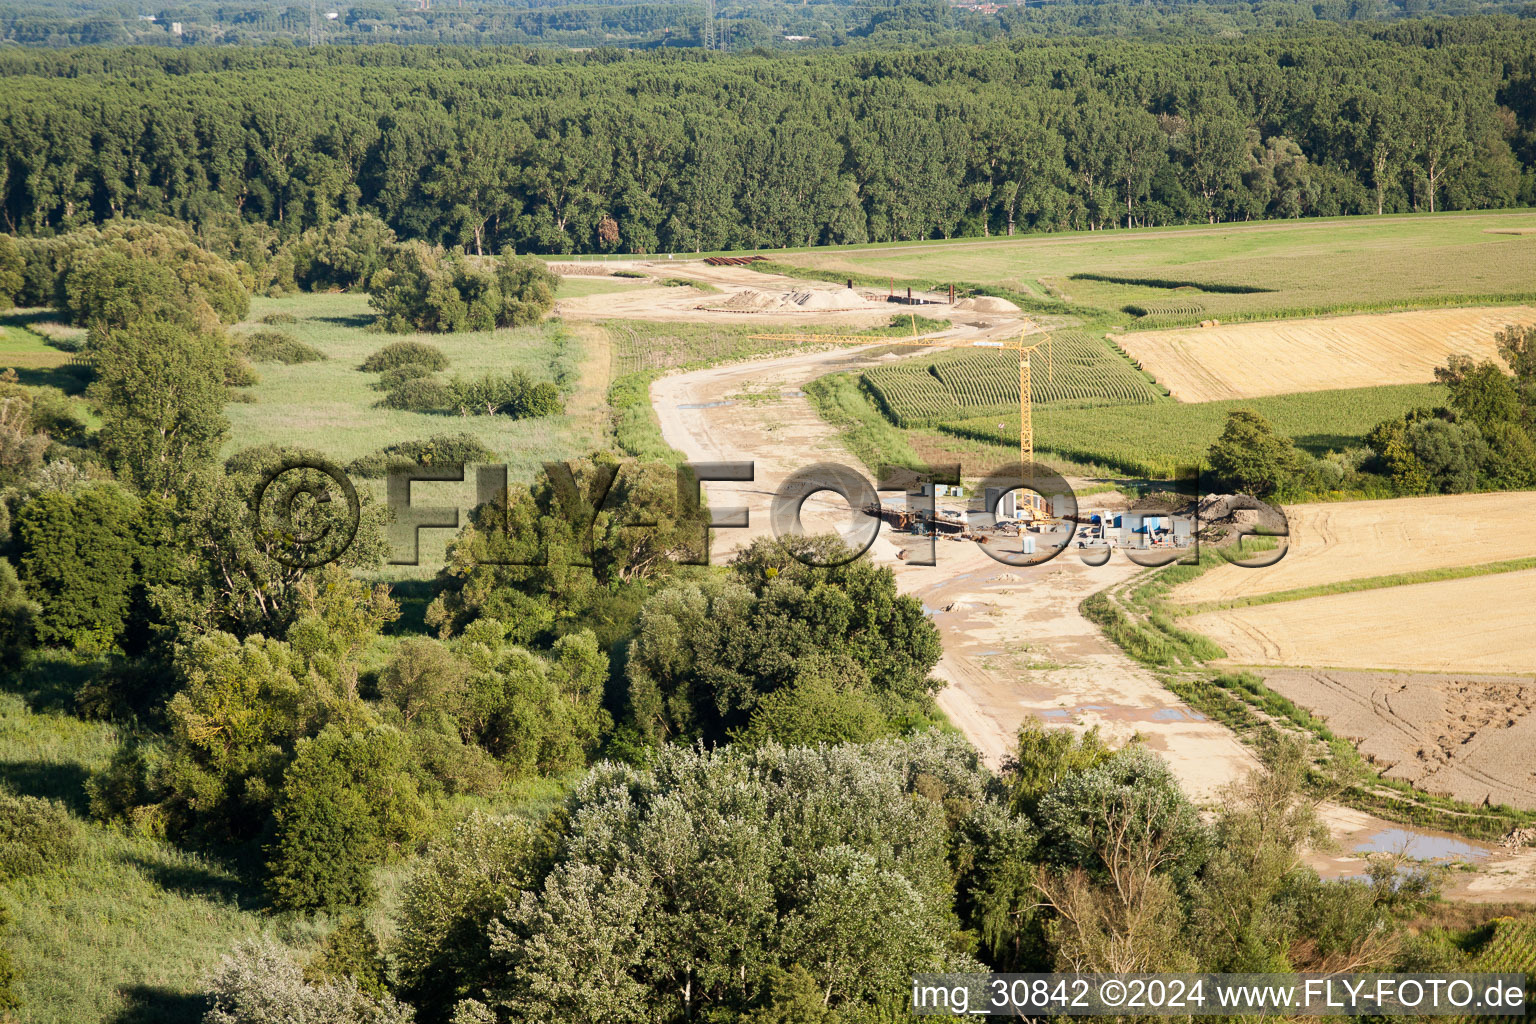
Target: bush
x=400, y=353
x=513, y=394
x=258, y=983
x=424, y=290
x=128, y=268
x=393, y=378
x=424, y=394
x=18, y=615
x=239, y=373
x=8, y=1000
x=77, y=559
x=35, y=834
x=276, y=319
x=433, y=451
x=277, y=347
x=345, y=253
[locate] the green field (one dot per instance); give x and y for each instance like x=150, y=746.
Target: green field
x=575, y=286
x=332, y=406
x=1234, y=271
x=1081, y=369
x=1150, y=440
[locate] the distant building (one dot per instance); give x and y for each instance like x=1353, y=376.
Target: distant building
x=797, y=39
x=175, y=28
x=331, y=15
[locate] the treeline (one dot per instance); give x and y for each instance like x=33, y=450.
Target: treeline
x=1483, y=439
x=739, y=24
x=615, y=153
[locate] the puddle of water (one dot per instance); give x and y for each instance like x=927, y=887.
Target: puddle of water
x=1418, y=845
x=792, y=394
x=707, y=405
x=987, y=654
x=1177, y=715
x=1054, y=713
x=929, y=610
x=1092, y=707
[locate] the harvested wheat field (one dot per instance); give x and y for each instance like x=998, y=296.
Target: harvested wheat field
x=1466, y=736
x=1208, y=364
x=1332, y=543
x=1476, y=624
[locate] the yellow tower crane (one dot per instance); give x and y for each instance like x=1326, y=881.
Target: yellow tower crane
x=1026, y=418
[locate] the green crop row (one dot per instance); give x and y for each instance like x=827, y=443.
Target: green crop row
x=1077, y=368
x=1151, y=440
x=1173, y=307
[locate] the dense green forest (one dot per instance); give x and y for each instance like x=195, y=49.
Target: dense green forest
x=738, y=24
x=606, y=151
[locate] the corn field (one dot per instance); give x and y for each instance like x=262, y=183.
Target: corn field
x=959, y=385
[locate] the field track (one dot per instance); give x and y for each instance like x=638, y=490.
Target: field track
x=1208, y=364
x=1332, y=543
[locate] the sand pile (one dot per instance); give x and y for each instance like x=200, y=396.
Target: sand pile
x=751, y=300
x=988, y=304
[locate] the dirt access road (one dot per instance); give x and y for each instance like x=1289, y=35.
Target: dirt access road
x=1015, y=644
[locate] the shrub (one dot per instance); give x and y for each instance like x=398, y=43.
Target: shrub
x=401, y=352
x=34, y=834
x=77, y=559
x=258, y=983
x=239, y=373
x=18, y=615
x=513, y=394
x=8, y=1000
x=424, y=394
x=395, y=376
x=435, y=450
x=158, y=266
x=277, y=347
x=345, y=253
x=276, y=319
x=422, y=289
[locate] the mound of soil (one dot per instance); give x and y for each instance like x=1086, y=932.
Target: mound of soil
x=988, y=304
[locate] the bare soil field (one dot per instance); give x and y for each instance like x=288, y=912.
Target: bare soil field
x=1331, y=543
x=723, y=295
x=1208, y=364
x=1467, y=736
x=1480, y=624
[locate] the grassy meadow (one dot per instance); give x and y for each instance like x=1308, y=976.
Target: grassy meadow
x=1234, y=271
x=150, y=920
x=575, y=286
x=332, y=405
